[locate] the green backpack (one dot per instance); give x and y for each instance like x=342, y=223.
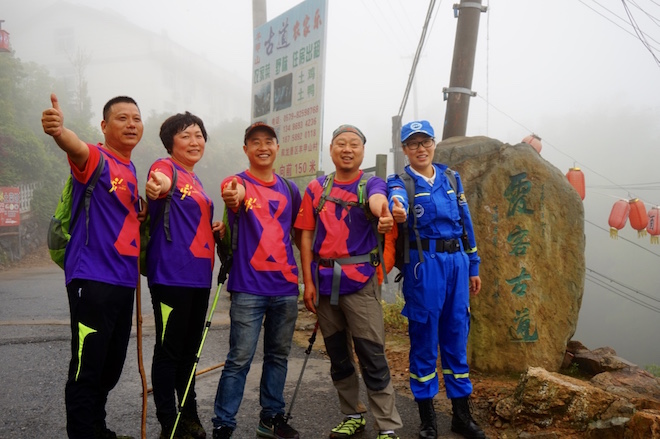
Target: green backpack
x=58, y=230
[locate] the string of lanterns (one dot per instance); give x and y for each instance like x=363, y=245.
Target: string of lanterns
x=623, y=211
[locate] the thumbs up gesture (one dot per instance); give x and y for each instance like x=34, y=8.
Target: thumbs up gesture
x=398, y=212
x=52, y=119
x=154, y=185
x=385, y=220
x=230, y=194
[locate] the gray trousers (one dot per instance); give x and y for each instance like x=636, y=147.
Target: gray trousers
x=356, y=323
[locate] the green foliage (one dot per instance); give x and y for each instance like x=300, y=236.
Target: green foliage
x=572, y=371
x=654, y=369
x=26, y=154
x=394, y=321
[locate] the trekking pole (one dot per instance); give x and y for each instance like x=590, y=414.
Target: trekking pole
x=143, y=377
x=138, y=318
x=308, y=351
x=222, y=276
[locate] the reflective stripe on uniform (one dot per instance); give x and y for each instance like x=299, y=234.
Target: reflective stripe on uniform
x=455, y=375
x=424, y=378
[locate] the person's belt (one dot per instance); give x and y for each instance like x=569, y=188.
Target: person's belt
x=336, y=264
x=441, y=245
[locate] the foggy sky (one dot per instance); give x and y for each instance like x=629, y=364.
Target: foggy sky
x=557, y=68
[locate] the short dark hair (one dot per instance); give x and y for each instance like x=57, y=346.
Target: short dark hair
x=116, y=100
x=177, y=123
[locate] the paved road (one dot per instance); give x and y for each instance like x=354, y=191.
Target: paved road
x=34, y=354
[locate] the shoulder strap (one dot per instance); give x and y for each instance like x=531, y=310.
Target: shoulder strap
x=293, y=214
x=363, y=200
x=90, y=189
x=327, y=187
x=452, y=180
x=410, y=191
x=454, y=185
x=234, y=227
x=166, y=208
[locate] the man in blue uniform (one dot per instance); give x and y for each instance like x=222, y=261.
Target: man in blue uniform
x=438, y=280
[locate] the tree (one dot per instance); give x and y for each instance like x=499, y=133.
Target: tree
x=26, y=154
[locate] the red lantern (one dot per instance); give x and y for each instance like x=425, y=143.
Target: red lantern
x=618, y=217
x=576, y=179
x=654, y=224
x=534, y=141
x=638, y=217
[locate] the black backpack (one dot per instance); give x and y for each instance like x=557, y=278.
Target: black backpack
x=402, y=248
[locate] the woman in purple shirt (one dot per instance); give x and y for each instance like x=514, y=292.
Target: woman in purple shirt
x=180, y=258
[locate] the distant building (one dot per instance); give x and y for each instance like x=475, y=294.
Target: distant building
x=116, y=57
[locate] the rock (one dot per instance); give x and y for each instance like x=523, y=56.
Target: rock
x=568, y=360
x=575, y=346
x=529, y=225
x=550, y=399
x=633, y=383
x=644, y=425
x=612, y=407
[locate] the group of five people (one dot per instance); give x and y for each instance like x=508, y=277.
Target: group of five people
x=336, y=224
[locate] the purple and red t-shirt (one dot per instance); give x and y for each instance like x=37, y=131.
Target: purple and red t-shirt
x=187, y=260
x=342, y=231
x=264, y=263
x=109, y=251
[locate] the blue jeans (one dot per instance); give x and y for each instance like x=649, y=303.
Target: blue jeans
x=247, y=313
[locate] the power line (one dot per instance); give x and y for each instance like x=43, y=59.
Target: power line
x=622, y=238
x=622, y=294
x=641, y=35
x=411, y=76
x=546, y=142
x=614, y=23
x=651, y=17
x=655, y=299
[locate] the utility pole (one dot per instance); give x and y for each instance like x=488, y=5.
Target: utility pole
x=259, y=14
x=459, y=91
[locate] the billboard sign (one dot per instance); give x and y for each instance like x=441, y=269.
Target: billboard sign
x=10, y=206
x=288, y=71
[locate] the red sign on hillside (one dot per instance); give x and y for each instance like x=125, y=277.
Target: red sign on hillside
x=4, y=41
x=10, y=206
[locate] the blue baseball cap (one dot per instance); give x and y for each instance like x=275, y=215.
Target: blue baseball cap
x=414, y=127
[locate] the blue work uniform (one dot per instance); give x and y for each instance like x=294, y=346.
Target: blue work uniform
x=436, y=291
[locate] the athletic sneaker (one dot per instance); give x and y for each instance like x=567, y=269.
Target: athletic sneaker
x=387, y=436
x=276, y=428
x=348, y=427
x=223, y=432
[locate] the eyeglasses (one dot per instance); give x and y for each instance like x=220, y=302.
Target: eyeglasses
x=426, y=143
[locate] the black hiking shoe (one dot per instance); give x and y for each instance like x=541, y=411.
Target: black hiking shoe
x=276, y=428
x=101, y=431
x=223, y=432
x=462, y=421
x=192, y=425
x=181, y=433
x=429, y=427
